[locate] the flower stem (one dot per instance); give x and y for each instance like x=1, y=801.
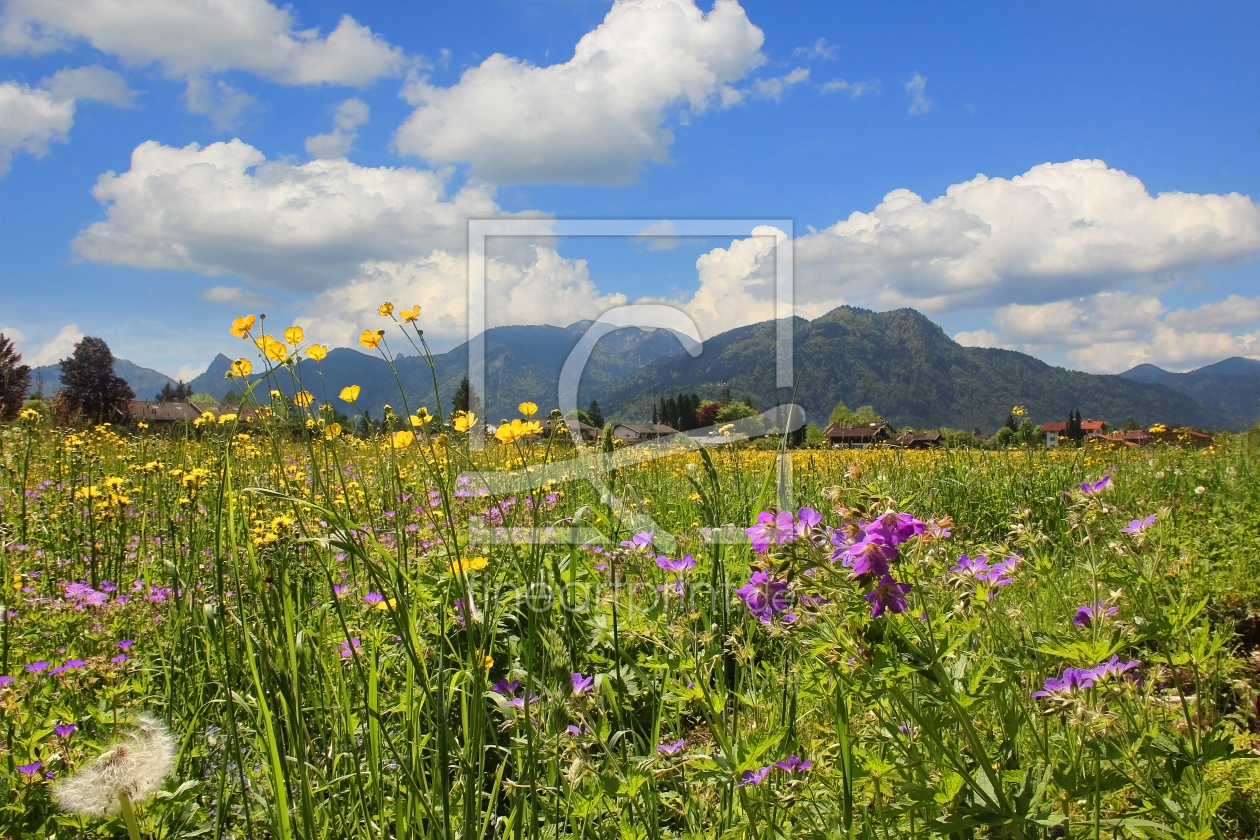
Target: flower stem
x=129, y=816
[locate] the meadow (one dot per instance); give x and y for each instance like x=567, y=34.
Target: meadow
x=310, y=634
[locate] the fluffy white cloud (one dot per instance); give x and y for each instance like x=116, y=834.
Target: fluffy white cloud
x=225, y=208
x=31, y=119
x=773, y=88
x=47, y=352
x=348, y=236
x=350, y=114
x=93, y=82
x=1112, y=331
x=190, y=38
x=1059, y=231
x=597, y=117
x=536, y=287
x=919, y=104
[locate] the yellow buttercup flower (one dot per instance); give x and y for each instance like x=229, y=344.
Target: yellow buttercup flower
x=388, y=605
x=293, y=335
x=411, y=314
x=241, y=326
x=402, y=439
x=422, y=417
x=463, y=420
x=516, y=430
x=371, y=339
x=1019, y=411
x=469, y=564
x=350, y=393
x=303, y=398
x=332, y=431
x=385, y=308
x=529, y=409
x=486, y=660
x=318, y=352
x=226, y=418
x=272, y=349
x=242, y=368
x=275, y=395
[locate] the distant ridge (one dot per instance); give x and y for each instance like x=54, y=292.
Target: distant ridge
x=900, y=362
x=1231, y=387
x=144, y=382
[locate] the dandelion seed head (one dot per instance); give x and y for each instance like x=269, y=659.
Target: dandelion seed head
x=136, y=766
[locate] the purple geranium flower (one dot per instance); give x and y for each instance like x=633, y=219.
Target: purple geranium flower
x=678, y=566
x=506, y=687
x=37, y=667
x=1087, y=614
x=771, y=529
x=581, y=684
x=71, y=664
x=869, y=556
x=64, y=730
x=639, y=542
x=1097, y=486
x=30, y=769
x=1113, y=668
x=755, y=777
x=976, y=567
x=894, y=528
x=1073, y=680
x=348, y=648
x=794, y=764
x=126, y=643
x=887, y=595
x=1137, y=526
x=5, y=680
x=373, y=597
x=119, y=659
x=764, y=597
x=574, y=730
x=807, y=519
x=666, y=748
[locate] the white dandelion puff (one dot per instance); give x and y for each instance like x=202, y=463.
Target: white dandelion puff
x=131, y=770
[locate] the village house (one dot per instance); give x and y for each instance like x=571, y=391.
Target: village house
x=1054, y=431
x=572, y=425
x=920, y=440
x=856, y=437
x=1128, y=437
x=639, y=432
x=173, y=412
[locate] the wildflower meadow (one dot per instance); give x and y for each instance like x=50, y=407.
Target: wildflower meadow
x=263, y=626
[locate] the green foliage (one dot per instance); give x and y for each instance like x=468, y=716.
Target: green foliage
x=90, y=387
x=864, y=416
x=735, y=411
x=15, y=379
x=334, y=646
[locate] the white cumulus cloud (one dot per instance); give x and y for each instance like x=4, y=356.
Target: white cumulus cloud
x=1059, y=231
x=30, y=120
x=597, y=117
x=92, y=82
x=853, y=89
x=195, y=37
x=224, y=208
x=1111, y=332
x=46, y=352
x=819, y=49
x=773, y=88
x=350, y=114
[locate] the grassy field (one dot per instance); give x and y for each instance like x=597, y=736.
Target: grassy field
x=337, y=654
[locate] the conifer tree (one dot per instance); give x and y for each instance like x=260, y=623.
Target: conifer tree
x=15, y=379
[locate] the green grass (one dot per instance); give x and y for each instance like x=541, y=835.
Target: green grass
x=237, y=543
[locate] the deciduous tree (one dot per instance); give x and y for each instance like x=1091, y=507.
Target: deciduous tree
x=89, y=385
x=15, y=379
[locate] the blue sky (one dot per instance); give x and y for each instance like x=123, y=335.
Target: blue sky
x=810, y=112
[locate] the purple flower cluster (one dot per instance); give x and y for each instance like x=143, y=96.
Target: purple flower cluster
x=1137, y=526
x=978, y=569
x=507, y=690
x=869, y=548
x=792, y=764
x=1087, y=614
x=1095, y=487
x=1078, y=679
x=765, y=597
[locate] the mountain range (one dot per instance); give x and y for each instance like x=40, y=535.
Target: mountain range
x=1231, y=387
x=899, y=362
